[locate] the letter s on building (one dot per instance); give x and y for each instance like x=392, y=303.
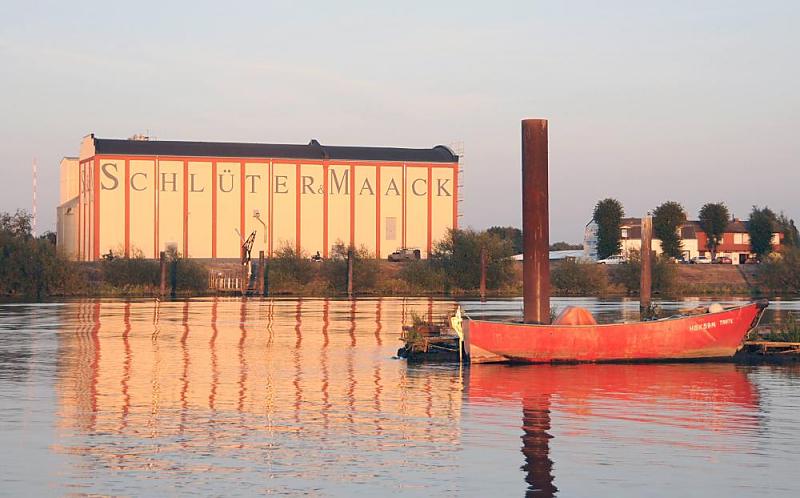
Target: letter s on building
x=105, y=169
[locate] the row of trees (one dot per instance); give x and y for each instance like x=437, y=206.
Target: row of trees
x=714, y=218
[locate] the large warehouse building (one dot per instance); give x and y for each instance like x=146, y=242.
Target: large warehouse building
x=141, y=196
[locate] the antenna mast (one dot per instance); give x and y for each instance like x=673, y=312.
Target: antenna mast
x=33, y=217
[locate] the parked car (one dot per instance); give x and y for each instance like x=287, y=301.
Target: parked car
x=700, y=260
x=722, y=260
x=405, y=254
x=612, y=260
x=751, y=261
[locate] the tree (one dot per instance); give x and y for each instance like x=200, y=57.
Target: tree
x=667, y=220
x=512, y=234
x=714, y=218
x=791, y=237
x=763, y=223
x=608, y=215
x=17, y=224
x=458, y=257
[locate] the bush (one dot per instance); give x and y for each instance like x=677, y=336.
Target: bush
x=780, y=272
x=191, y=276
x=365, y=269
x=31, y=267
x=572, y=277
x=458, y=257
x=422, y=276
x=788, y=330
x=289, y=269
x=125, y=273
x=629, y=274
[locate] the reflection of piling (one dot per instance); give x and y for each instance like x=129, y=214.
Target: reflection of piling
x=244, y=280
x=647, y=266
x=350, y=272
x=483, y=273
x=163, y=289
x=173, y=278
x=535, y=227
x=261, y=286
x=536, y=446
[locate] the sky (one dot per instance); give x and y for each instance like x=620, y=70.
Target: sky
x=692, y=101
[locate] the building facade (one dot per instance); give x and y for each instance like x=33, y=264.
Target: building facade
x=203, y=199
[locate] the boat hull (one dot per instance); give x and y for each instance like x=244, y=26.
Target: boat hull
x=709, y=335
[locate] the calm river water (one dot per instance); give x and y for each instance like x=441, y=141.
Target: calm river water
x=303, y=396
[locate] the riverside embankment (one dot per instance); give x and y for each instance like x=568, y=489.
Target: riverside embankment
x=382, y=278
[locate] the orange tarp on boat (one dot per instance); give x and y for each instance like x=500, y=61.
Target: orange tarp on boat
x=574, y=315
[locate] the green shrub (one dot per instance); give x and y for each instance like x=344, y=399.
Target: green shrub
x=788, y=330
x=289, y=269
x=191, y=276
x=629, y=274
x=779, y=273
x=126, y=273
x=423, y=276
x=458, y=256
x=31, y=267
x=365, y=269
x=572, y=277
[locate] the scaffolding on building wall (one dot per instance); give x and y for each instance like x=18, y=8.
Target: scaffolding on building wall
x=458, y=149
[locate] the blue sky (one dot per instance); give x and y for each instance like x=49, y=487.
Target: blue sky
x=647, y=101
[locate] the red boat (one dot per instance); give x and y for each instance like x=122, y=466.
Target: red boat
x=574, y=337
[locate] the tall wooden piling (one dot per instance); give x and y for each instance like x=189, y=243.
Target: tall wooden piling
x=261, y=271
x=535, y=222
x=484, y=258
x=163, y=261
x=350, y=273
x=646, y=282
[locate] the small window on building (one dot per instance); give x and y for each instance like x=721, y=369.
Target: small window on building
x=391, y=228
x=624, y=233
x=738, y=238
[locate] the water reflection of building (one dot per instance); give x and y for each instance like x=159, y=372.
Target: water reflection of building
x=700, y=400
x=310, y=366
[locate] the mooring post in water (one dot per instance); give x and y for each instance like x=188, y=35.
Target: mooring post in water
x=483, y=273
x=173, y=278
x=261, y=273
x=645, y=285
x=350, y=272
x=535, y=223
x=244, y=280
x=163, y=259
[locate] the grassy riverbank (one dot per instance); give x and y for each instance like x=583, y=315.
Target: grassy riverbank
x=138, y=278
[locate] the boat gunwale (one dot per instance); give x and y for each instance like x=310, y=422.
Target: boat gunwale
x=622, y=324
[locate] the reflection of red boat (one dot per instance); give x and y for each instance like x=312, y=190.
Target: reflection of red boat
x=576, y=385
x=709, y=335
x=697, y=406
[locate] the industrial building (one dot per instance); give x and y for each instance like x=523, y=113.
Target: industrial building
x=140, y=197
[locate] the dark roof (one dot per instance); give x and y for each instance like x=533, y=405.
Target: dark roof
x=438, y=154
